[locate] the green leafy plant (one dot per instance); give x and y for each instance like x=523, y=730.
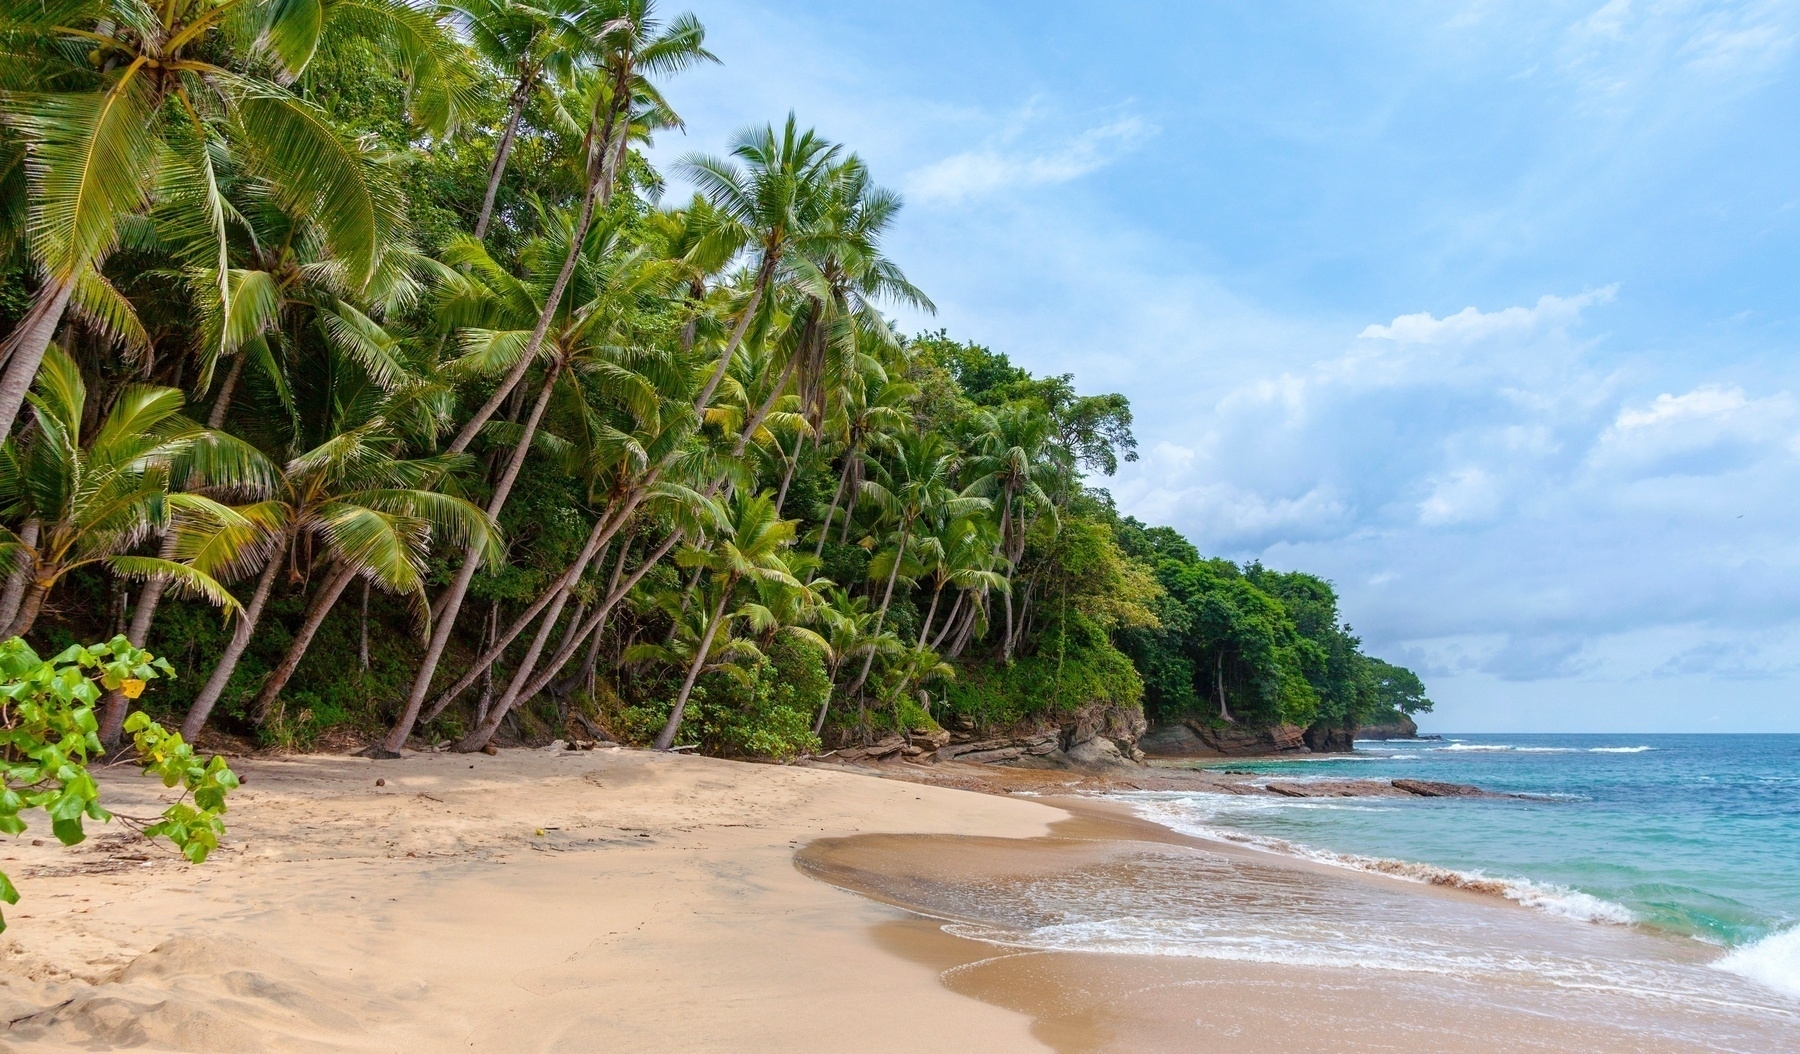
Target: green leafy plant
x=49, y=734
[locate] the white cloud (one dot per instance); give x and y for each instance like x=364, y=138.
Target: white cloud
x=1472, y=324
x=1706, y=430
x=1464, y=494
x=1002, y=166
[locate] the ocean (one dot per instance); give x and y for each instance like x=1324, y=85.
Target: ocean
x=1656, y=871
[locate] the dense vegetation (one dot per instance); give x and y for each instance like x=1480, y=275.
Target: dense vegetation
x=368, y=324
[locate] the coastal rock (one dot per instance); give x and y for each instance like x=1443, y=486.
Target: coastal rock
x=1099, y=752
x=1330, y=739
x=1195, y=737
x=1404, y=728
x=1435, y=789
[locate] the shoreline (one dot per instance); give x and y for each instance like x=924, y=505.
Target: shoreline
x=1097, y=1000
x=615, y=899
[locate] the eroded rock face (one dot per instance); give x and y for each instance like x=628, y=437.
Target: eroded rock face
x=1093, y=737
x=1330, y=739
x=1195, y=738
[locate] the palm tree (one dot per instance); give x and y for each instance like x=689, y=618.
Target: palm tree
x=750, y=549
x=372, y=515
x=1016, y=457
x=538, y=45
x=780, y=199
x=871, y=411
x=846, y=619
x=591, y=321
x=631, y=45
x=917, y=484
x=960, y=554
x=131, y=102
x=97, y=497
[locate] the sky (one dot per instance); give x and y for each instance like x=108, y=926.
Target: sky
x=1487, y=312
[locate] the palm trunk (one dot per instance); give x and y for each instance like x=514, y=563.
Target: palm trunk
x=949, y=620
x=825, y=707
x=17, y=581
x=215, y=418
x=604, y=529
x=487, y=674
x=1219, y=683
x=476, y=739
x=114, y=707
x=930, y=615
x=240, y=639
x=315, y=617
x=666, y=738
x=881, y=614
x=843, y=480
x=591, y=628
x=440, y=633
x=788, y=476
x=521, y=94
x=28, y=610
x=764, y=275
x=24, y=350
x=362, y=642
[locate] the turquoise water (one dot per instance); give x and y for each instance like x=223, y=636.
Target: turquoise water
x=1696, y=835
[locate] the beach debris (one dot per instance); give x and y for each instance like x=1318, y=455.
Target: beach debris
x=381, y=783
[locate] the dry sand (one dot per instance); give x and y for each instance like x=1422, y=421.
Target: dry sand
x=615, y=900
x=659, y=910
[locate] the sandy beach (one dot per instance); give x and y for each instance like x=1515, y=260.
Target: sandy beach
x=560, y=900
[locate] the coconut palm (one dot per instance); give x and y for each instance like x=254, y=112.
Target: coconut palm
x=583, y=332
x=629, y=46
x=130, y=104
x=96, y=497
x=772, y=196
x=959, y=554
x=845, y=621
x=917, y=482
x=871, y=412
x=360, y=511
x=751, y=548
x=538, y=46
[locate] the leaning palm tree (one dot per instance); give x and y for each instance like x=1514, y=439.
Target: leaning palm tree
x=371, y=515
x=916, y=484
x=774, y=195
x=537, y=45
x=845, y=621
x=96, y=497
x=751, y=549
x=131, y=104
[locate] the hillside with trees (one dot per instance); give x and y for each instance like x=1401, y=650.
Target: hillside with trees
x=359, y=364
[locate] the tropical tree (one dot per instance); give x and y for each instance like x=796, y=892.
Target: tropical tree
x=358, y=511
x=751, y=548
x=631, y=46
x=96, y=497
x=128, y=105
x=917, y=482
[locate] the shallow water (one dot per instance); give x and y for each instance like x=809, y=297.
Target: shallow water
x=1693, y=836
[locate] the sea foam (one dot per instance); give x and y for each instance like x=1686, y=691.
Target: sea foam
x=1551, y=899
x=1773, y=961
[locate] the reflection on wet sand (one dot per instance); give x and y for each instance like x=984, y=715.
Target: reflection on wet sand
x=1118, y=935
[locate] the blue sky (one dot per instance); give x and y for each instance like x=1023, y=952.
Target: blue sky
x=1486, y=311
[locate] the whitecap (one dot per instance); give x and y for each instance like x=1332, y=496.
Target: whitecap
x=1773, y=961
x=1618, y=750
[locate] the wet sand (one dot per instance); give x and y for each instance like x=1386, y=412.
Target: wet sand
x=1150, y=1003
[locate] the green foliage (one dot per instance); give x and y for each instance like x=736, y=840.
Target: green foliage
x=49, y=734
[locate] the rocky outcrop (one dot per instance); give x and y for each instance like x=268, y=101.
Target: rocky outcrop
x=1402, y=728
x=1196, y=738
x=1330, y=739
x=1099, y=737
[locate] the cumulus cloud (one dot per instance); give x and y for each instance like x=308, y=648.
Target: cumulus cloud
x=1008, y=164
x=1496, y=500
x=1472, y=324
